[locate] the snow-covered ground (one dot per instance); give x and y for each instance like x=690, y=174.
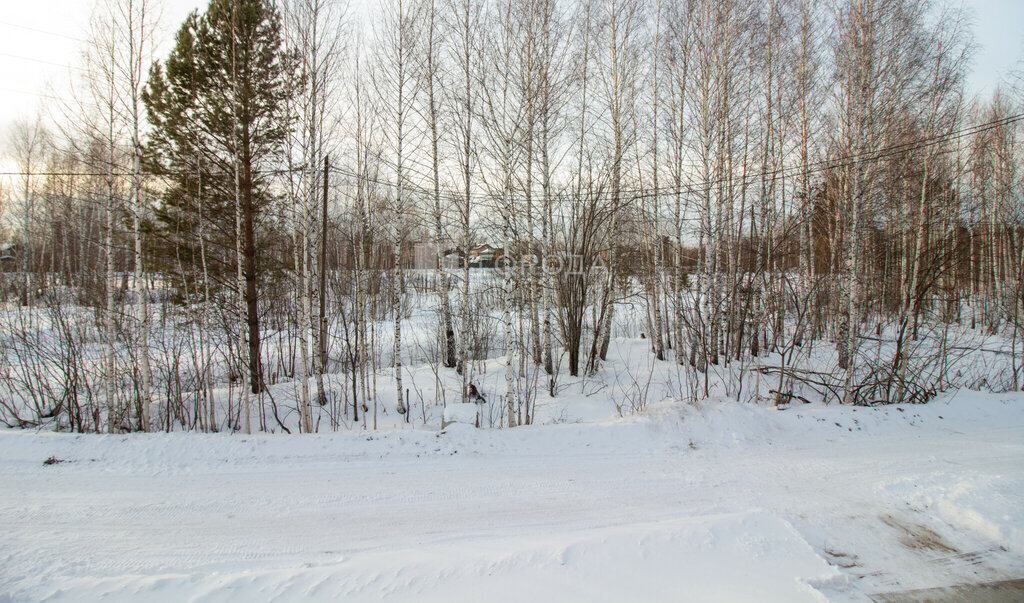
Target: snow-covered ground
x=714, y=501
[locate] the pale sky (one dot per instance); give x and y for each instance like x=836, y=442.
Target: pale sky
x=41, y=42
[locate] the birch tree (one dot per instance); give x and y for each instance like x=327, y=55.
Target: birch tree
x=466, y=53
x=430, y=75
x=397, y=89
x=620, y=22
x=503, y=125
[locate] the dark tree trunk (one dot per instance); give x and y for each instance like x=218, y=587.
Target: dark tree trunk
x=251, y=271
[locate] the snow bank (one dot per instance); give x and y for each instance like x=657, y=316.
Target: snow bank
x=713, y=501
x=744, y=556
x=465, y=414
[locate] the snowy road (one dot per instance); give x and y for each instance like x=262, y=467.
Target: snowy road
x=720, y=502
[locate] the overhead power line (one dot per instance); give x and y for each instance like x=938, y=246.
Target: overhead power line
x=42, y=31
x=814, y=167
x=41, y=61
x=629, y=194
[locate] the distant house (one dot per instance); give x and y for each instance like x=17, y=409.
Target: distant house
x=481, y=257
x=485, y=256
x=476, y=253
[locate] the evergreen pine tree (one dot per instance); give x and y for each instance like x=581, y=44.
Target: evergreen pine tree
x=217, y=109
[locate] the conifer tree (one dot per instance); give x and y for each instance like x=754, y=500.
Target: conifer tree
x=217, y=109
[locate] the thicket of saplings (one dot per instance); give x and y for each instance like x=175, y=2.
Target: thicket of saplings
x=56, y=371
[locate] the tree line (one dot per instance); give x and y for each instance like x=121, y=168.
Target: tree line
x=796, y=197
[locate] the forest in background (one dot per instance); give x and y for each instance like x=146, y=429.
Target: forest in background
x=799, y=192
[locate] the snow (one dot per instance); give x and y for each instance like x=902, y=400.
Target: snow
x=460, y=413
x=711, y=501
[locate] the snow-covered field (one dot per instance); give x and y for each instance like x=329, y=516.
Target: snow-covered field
x=714, y=501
